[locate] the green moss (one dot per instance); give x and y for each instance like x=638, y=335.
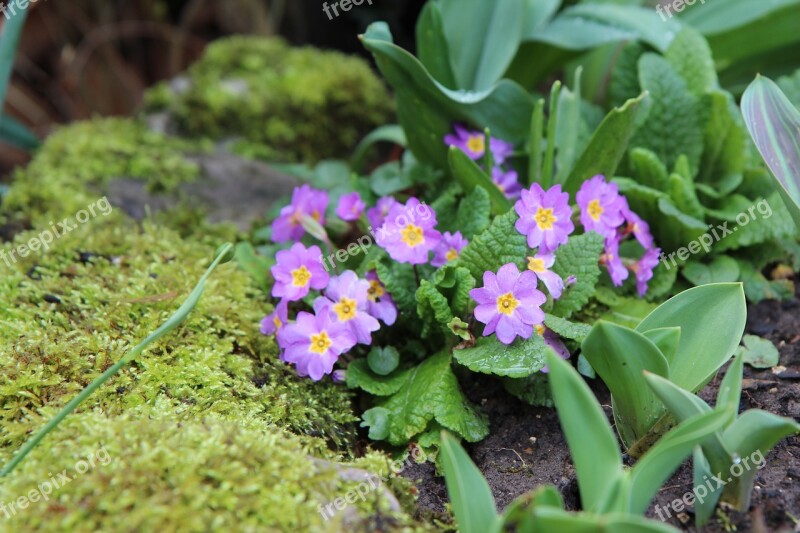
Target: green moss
x=282, y=103
x=158, y=474
x=77, y=160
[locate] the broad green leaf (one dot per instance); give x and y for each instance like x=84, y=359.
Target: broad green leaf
x=757, y=287
x=257, y=266
x=620, y=355
x=377, y=420
x=658, y=464
x=389, y=133
x=483, y=38
x=712, y=319
x=359, y=376
x=754, y=433
x=730, y=390
x=427, y=109
x=550, y=519
x=758, y=352
x=722, y=269
x=444, y=296
x=624, y=83
x=517, y=360
x=469, y=175
x=674, y=126
x=431, y=392
x=499, y=244
x=565, y=329
x=666, y=340
x=433, y=308
x=607, y=146
x=725, y=143
x=432, y=46
x=383, y=361
x=579, y=258
x=532, y=390
x=625, y=311
x=470, y=495
x=598, y=467
x=16, y=134
x=9, y=41
x=400, y=282
x=690, y=56
x=773, y=123
x=649, y=170
x=684, y=196
x=474, y=213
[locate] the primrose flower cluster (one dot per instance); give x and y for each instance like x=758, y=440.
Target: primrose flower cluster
x=509, y=303
x=346, y=310
x=473, y=143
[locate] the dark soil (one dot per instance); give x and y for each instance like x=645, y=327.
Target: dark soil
x=526, y=448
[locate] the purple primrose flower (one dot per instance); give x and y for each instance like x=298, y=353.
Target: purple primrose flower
x=555, y=343
x=507, y=181
x=298, y=270
x=509, y=303
x=346, y=300
x=314, y=343
x=613, y=262
x=408, y=233
x=601, y=206
x=448, y=249
x=643, y=269
x=473, y=143
x=305, y=202
x=276, y=319
x=350, y=207
x=544, y=217
x=377, y=215
x=540, y=265
x=379, y=302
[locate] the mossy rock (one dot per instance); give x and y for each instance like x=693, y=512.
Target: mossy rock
x=279, y=102
x=132, y=473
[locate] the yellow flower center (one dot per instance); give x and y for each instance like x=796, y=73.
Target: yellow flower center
x=320, y=342
x=345, y=309
x=412, y=235
x=277, y=322
x=595, y=210
x=375, y=290
x=507, y=303
x=316, y=216
x=451, y=255
x=300, y=276
x=539, y=329
x=544, y=218
x=476, y=144
x=536, y=264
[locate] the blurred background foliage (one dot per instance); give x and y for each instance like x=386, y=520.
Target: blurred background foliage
x=83, y=58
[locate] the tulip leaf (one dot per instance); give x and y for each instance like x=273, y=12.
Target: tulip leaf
x=774, y=123
x=712, y=319
x=598, y=467
x=470, y=495
x=620, y=355
x=469, y=175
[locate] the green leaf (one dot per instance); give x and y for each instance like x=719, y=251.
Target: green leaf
x=400, y=282
x=579, y=258
x=624, y=311
x=501, y=243
x=703, y=508
x=431, y=392
x=625, y=75
x=360, y=376
x=432, y=46
x=444, y=296
x=598, y=467
x=620, y=355
x=474, y=213
x=658, y=464
x=758, y=352
x=730, y=390
x=9, y=41
x=607, y=146
x=690, y=56
x=470, y=495
x=383, y=361
x=550, y=519
x=459, y=328
x=725, y=141
x=391, y=133
x=470, y=176
x=432, y=307
x=16, y=134
x=565, y=329
x=673, y=126
x=377, y=420
x=533, y=390
x=256, y=265
x=684, y=196
x=773, y=123
x=483, y=38
x=517, y=360
x=722, y=269
x=427, y=109
x=649, y=170
x=712, y=319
